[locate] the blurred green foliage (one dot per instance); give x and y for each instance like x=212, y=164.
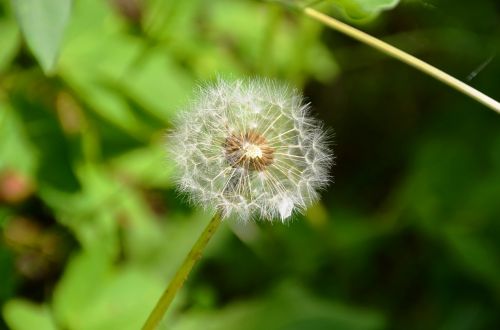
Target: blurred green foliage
x=408, y=236
x=43, y=24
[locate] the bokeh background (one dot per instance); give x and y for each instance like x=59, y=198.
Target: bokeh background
x=407, y=237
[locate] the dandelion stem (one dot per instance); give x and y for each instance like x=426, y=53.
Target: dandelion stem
x=404, y=57
x=182, y=273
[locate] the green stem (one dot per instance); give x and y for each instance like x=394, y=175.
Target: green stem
x=404, y=57
x=182, y=273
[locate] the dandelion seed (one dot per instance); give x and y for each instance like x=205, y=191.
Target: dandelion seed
x=250, y=149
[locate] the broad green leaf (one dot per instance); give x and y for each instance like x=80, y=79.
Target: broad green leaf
x=124, y=302
x=24, y=315
x=93, y=294
x=10, y=37
x=105, y=102
x=42, y=24
x=15, y=148
x=83, y=279
x=364, y=9
x=158, y=84
x=94, y=57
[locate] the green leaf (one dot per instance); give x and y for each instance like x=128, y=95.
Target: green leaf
x=158, y=84
x=93, y=294
x=15, y=148
x=95, y=56
x=23, y=315
x=124, y=302
x=43, y=23
x=82, y=281
x=9, y=34
x=364, y=9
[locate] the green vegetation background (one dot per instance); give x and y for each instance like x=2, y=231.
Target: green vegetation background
x=408, y=236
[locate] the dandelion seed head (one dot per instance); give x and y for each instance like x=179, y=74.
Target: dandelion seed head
x=251, y=149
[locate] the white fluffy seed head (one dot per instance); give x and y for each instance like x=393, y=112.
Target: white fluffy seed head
x=250, y=149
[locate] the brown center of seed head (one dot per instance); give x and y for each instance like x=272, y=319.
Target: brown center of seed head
x=249, y=150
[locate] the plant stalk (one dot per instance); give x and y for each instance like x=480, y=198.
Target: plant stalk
x=404, y=57
x=182, y=273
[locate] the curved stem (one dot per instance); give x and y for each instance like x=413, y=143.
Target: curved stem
x=182, y=273
x=404, y=57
